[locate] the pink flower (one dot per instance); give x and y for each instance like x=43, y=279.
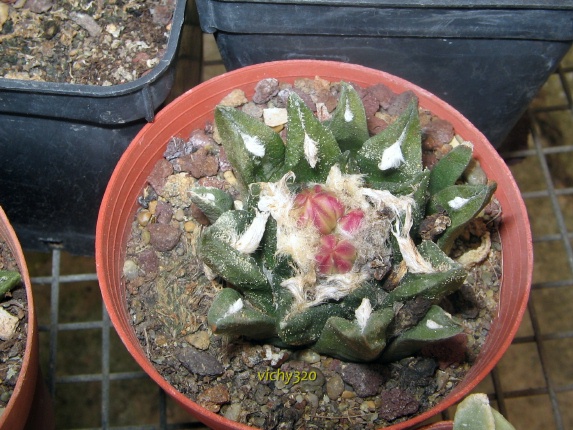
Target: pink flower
x=351, y=221
x=320, y=207
x=335, y=255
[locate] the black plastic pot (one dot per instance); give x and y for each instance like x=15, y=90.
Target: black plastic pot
x=486, y=58
x=59, y=143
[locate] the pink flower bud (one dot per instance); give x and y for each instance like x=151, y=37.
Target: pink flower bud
x=317, y=206
x=351, y=221
x=335, y=255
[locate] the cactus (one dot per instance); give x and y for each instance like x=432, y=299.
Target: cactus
x=325, y=248
x=8, y=280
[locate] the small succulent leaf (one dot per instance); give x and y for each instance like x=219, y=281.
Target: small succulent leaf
x=450, y=168
x=395, y=154
x=240, y=269
x=311, y=149
x=303, y=327
x=230, y=313
x=346, y=340
x=8, y=280
x=212, y=201
x=435, y=326
x=432, y=286
x=255, y=150
x=347, y=164
x=474, y=413
x=501, y=423
x=462, y=203
x=348, y=123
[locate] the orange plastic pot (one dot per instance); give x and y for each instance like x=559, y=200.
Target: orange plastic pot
x=191, y=110
x=442, y=425
x=30, y=406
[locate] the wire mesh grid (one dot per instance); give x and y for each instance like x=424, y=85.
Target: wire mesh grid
x=96, y=385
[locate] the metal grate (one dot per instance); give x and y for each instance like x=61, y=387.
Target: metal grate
x=532, y=385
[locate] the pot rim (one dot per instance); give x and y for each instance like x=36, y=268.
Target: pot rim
x=515, y=225
x=20, y=402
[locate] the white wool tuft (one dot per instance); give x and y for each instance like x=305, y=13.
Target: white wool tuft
x=363, y=313
x=253, y=145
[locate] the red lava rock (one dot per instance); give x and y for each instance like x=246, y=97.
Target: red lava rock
x=397, y=403
x=163, y=212
x=265, y=90
x=210, y=181
x=203, y=164
x=140, y=57
x=436, y=134
x=400, y=102
x=371, y=105
x=199, y=139
x=365, y=380
x=198, y=215
x=163, y=237
x=148, y=261
x=161, y=14
x=383, y=94
x=158, y=176
x=449, y=351
x=376, y=125
x=218, y=395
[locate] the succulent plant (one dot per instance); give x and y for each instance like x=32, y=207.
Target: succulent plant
x=324, y=249
x=475, y=413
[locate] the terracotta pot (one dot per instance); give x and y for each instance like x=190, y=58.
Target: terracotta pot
x=30, y=406
x=194, y=108
x=442, y=425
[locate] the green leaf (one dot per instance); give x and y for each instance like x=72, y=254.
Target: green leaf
x=450, y=168
x=303, y=327
x=229, y=316
x=435, y=326
x=462, y=203
x=475, y=413
x=348, y=123
x=405, y=134
x=255, y=150
x=431, y=286
x=311, y=149
x=212, y=201
x=8, y=280
x=346, y=340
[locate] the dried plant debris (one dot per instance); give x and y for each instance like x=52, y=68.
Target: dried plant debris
x=270, y=386
x=102, y=42
x=13, y=324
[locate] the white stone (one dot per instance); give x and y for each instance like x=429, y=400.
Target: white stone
x=274, y=117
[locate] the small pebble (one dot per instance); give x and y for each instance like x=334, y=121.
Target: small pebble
x=200, y=340
x=334, y=386
x=230, y=177
x=309, y=356
x=143, y=217
x=130, y=269
x=190, y=226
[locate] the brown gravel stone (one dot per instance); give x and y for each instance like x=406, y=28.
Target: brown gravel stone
x=163, y=212
x=397, y=403
x=364, y=379
x=201, y=163
x=265, y=90
x=159, y=175
x=164, y=237
x=436, y=134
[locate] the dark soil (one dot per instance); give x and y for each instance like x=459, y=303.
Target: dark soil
x=262, y=385
x=12, y=350
x=102, y=42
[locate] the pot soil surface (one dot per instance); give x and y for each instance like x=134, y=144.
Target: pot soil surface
x=13, y=334
x=262, y=385
x=102, y=42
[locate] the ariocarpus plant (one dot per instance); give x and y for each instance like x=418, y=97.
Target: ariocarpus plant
x=325, y=250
